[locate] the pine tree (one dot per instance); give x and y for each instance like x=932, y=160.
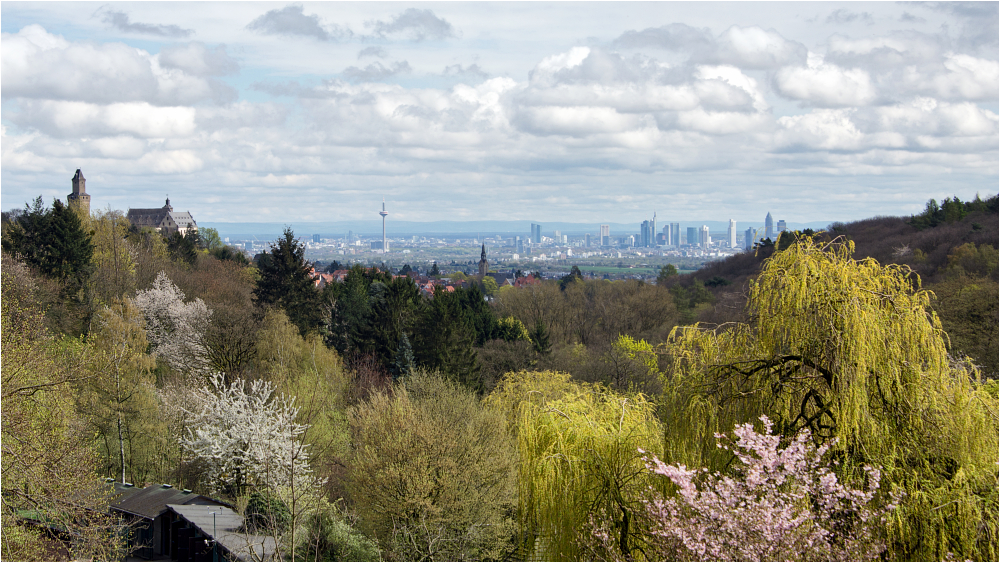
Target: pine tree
x=286, y=282
x=54, y=241
x=402, y=363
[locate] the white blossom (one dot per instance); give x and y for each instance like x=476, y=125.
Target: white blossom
x=247, y=435
x=174, y=328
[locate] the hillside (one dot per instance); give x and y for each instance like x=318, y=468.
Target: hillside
x=933, y=244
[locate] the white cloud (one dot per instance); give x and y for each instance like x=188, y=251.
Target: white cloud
x=64, y=119
x=756, y=48
x=40, y=65
x=826, y=85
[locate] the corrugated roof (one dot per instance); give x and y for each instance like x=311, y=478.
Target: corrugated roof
x=227, y=529
x=153, y=500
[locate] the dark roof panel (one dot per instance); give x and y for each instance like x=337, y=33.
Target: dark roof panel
x=153, y=500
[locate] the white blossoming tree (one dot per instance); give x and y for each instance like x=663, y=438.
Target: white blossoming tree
x=247, y=436
x=174, y=328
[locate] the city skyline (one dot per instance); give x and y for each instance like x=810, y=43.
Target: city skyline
x=588, y=112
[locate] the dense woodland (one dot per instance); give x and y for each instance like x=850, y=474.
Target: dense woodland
x=828, y=396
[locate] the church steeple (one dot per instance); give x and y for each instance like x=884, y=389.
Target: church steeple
x=484, y=265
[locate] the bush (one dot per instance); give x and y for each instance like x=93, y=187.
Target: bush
x=330, y=537
x=266, y=513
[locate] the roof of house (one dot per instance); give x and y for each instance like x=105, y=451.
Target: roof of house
x=152, y=501
x=227, y=529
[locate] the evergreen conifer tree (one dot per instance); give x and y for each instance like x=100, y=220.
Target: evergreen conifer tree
x=286, y=282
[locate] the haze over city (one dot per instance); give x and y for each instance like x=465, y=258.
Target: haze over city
x=570, y=112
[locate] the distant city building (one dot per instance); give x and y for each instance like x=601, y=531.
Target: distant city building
x=79, y=198
x=692, y=236
x=588, y=240
x=164, y=219
x=645, y=234
x=748, y=239
x=605, y=235
x=675, y=234
x=317, y=238
x=652, y=231
x=705, y=239
x=781, y=226
x=536, y=233
x=732, y=233
x=769, y=227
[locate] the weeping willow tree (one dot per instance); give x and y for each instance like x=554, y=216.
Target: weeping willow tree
x=850, y=350
x=580, y=463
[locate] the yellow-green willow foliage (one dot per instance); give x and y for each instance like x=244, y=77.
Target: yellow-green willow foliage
x=579, y=461
x=850, y=350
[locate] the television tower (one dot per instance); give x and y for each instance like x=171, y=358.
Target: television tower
x=383, y=213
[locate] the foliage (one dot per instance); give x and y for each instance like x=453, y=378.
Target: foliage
x=968, y=308
x=572, y=277
x=591, y=312
x=445, y=333
x=848, y=349
x=49, y=473
x=969, y=260
x=511, y=329
x=53, y=240
x=246, y=435
x=579, y=459
x=950, y=211
x=540, y=338
x=402, y=362
x=433, y=473
x=114, y=258
x=118, y=399
x=784, y=504
x=312, y=373
x=286, y=282
x=329, y=536
x=490, y=286
x=434, y=271
x=209, y=239
x=184, y=248
x=666, y=272
x=632, y=366
x=175, y=329
x=266, y=513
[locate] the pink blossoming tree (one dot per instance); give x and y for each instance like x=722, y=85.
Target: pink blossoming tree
x=780, y=504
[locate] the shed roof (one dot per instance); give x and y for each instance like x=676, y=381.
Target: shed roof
x=153, y=500
x=227, y=529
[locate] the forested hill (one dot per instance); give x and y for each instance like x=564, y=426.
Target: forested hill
x=951, y=246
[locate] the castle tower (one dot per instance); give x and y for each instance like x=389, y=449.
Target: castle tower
x=79, y=197
x=484, y=265
x=383, y=213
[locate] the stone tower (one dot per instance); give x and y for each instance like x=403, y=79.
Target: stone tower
x=79, y=198
x=484, y=266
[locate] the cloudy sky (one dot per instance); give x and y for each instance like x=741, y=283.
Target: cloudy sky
x=586, y=112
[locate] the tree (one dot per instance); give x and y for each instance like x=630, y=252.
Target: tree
x=402, y=363
x=781, y=504
x=114, y=257
x=435, y=272
x=175, y=329
x=49, y=472
x=849, y=350
x=580, y=461
x=286, y=282
x=433, y=473
x=666, y=272
x=210, y=239
x=122, y=384
x=490, y=286
x=246, y=436
x=54, y=241
x=183, y=248
x=540, y=338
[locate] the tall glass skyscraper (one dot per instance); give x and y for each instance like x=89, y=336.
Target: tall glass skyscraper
x=536, y=233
